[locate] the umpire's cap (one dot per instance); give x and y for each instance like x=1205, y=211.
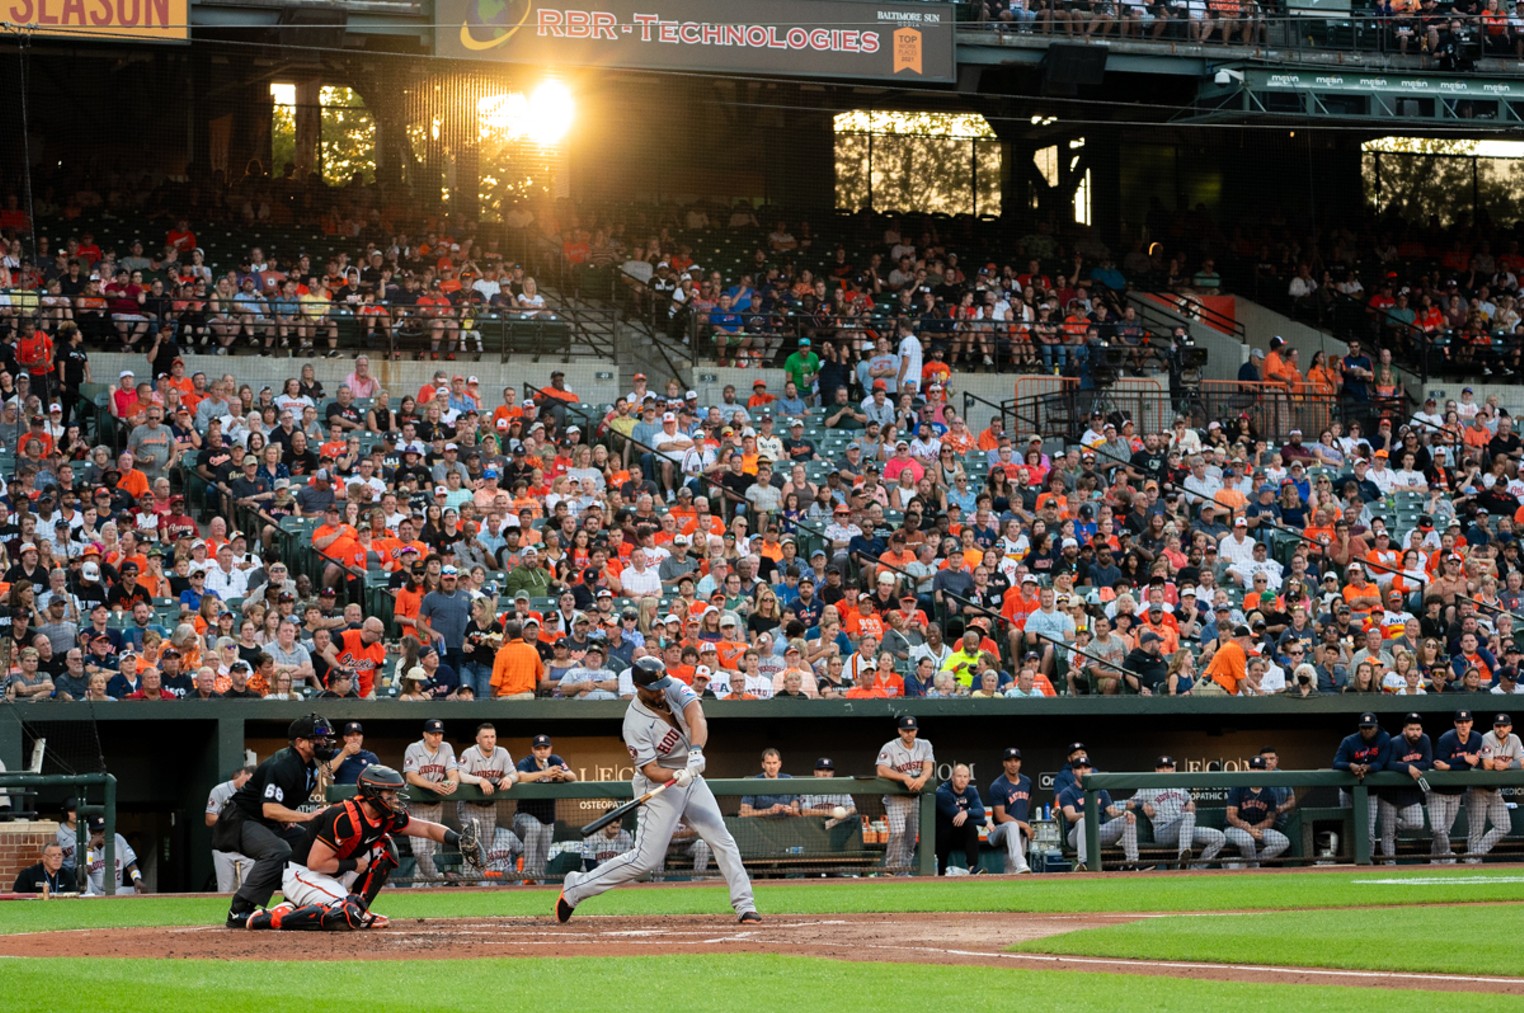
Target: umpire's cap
x=650, y=673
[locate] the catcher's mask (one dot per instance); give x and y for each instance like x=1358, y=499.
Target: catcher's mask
x=382, y=787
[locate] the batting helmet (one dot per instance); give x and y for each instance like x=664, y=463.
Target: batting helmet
x=318, y=730
x=650, y=673
x=373, y=784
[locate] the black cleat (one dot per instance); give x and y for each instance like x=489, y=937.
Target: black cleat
x=563, y=909
x=750, y=918
x=238, y=919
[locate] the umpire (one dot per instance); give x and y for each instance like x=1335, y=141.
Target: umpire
x=262, y=819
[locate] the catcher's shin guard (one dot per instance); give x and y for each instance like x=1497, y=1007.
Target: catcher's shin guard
x=346, y=915
x=308, y=916
x=383, y=861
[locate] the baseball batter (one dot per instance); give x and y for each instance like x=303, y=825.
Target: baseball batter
x=429, y=765
x=665, y=731
x=1011, y=801
x=231, y=867
x=1501, y=750
x=1173, y=814
x=535, y=821
x=491, y=770
x=1458, y=749
x=346, y=854
x=909, y=760
x=1402, y=808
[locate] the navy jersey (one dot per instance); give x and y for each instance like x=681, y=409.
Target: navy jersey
x=1015, y=798
x=951, y=802
x=1452, y=751
x=1356, y=749
x=1405, y=754
x=542, y=809
x=1255, y=805
x=1075, y=795
x=347, y=830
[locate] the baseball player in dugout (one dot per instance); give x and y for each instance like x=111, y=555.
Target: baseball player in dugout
x=909, y=760
x=344, y=856
x=263, y=820
x=665, y=731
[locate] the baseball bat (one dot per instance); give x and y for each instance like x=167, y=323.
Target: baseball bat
x=619, y=812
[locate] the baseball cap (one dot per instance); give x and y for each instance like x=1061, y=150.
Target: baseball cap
x=1257, y=763
x=1011, y=753
x=1164, y=761
x=703, y=672
x=1075, y=747
x=1502, y=719
x=1149, y=637
x=1368, y=720
x=540, y=740
x=433, y=725
x=907, y=721
x=1462, y=715
x=448, y=571
x=825, y=763
x=353, y=728
x=1081, y=761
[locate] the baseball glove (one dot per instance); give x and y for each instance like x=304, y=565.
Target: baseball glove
x=471, y=844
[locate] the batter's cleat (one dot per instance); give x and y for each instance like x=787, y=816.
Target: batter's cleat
x=749, y=918
x=563, y=909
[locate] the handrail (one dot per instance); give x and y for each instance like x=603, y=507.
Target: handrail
x=1159, y=301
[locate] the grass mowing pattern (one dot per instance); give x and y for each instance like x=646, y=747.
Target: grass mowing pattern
x=1048, y=894
x=1339, y=939
x=739, y=983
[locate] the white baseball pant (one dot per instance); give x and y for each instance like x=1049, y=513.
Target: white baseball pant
x=1272, y=844
x=1443, y=811
x=1484, y=806
x=537, y=838
x=1184, y=833
x=301, y=886
x=423, y=847
x=1392, y=818
x=1120, y=829
x=694, y=805
x=232, y=868
x=1015, y=842
x=903, y=815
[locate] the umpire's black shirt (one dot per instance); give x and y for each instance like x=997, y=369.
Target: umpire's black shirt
x=284, y=778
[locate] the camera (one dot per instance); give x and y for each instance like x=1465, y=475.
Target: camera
x=1192, y=357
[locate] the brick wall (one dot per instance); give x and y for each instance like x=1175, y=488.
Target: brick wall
x=21, y=845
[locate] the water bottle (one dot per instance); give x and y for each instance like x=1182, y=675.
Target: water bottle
x=797, y=849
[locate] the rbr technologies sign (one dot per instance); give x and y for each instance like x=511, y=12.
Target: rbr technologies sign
x=796, y=38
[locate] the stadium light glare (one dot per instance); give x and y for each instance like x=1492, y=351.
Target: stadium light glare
x=542, y=117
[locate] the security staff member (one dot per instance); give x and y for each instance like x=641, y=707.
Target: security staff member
x=48, y=876
x=263, y=819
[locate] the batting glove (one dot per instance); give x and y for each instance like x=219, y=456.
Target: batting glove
x=696, y=761
x=681, y=777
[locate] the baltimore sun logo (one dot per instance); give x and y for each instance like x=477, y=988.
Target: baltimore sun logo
x=491, y=23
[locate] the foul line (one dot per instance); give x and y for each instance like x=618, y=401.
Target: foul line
x=1258, y=968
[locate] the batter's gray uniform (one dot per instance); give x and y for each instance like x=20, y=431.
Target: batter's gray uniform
x=654, y=737
x=231, y=866
x=1486, y=805
x=1175, y=825
x=431, y=767
x=903, y=812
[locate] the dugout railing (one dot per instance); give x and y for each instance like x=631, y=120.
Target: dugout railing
x=779, y=846
x=26, y=782
x=1358, y=789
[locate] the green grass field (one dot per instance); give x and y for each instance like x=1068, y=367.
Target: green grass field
x=1315, y=919
x=730, y=982
x=1039, y=895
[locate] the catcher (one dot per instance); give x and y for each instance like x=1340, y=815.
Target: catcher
x=340, y=865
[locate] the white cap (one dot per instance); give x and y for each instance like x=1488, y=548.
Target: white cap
x=55, y=407
x=90, y=571
x=124, y=373
x=669, y=417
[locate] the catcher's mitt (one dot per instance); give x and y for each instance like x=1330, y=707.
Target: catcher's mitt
x=471, y=845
